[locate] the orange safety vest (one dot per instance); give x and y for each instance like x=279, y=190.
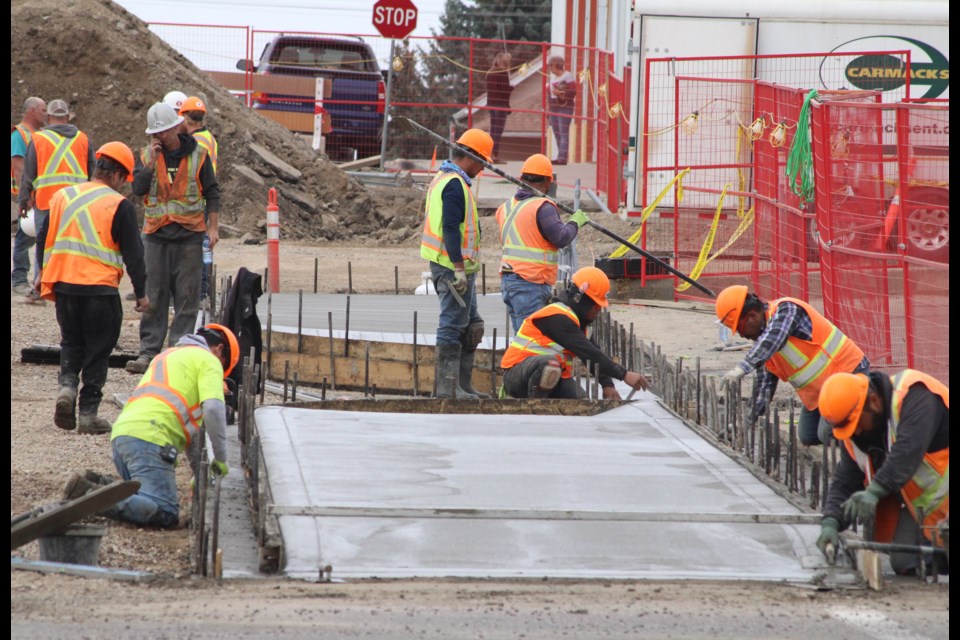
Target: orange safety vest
x=929, y=488
x=806, y=364
x=24, y=130
x=156, y=385
x=61, y=162
x=530, y=341
x=80, y=248
x=431, y=240
x=206, y=140
x=529, y=254
x=178, y=202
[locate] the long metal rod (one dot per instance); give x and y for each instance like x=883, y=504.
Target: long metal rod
x=563, y=207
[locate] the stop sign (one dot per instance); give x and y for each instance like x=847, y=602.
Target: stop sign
x=395, y=18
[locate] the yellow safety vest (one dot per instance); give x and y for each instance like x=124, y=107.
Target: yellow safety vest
x=431, y=240
x=24, y=130
x=206, y=140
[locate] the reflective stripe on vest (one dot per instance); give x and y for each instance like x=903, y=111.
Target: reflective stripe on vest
x=158, y=388
x=207, y=141
x=86, y=241
x=431, y=240
x=24, y=132
x=806, y=364
x=59, y=163
x=530, y=341
x=529, y=254
x=180, y=201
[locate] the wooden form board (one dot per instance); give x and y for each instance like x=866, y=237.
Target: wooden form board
x=285, y=85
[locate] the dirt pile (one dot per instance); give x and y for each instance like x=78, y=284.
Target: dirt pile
x=111, y=68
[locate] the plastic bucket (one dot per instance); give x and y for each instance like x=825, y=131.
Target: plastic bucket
x=77, y=544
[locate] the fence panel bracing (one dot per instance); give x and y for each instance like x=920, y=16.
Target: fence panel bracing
x=883, y=223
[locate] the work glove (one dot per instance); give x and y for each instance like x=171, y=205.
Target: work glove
x=460, y=281
x=580, y=218
x=733, y=376
x=829, y=533
x=219, y=468
x=862, y=505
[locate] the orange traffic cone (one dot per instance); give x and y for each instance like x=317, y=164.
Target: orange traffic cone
x=433, y=160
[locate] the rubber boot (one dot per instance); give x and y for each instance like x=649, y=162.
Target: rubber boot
x=77, y=486
x=65, y=416
x=541, y=385
x=466, y=374
x=447, y=372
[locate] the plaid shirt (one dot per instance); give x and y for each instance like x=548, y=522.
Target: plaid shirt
x=789, y=320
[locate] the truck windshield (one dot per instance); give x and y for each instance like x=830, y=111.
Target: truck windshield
x=313, y=56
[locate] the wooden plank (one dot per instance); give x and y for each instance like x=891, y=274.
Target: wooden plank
x=362, y=162
x=286, y=85
x=294, y=121
x=868, y=562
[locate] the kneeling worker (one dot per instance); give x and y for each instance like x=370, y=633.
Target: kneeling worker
x=795, y=343
x=539, y=361
x=895, y=432
x=181, y=390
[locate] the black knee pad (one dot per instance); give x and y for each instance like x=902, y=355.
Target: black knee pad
x=471, y=337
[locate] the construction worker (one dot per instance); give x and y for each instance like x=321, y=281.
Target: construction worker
x=94, y=233
x=181, y=202
x=34, y=119
x=181, y=391
x=193, y=111
x=532, y=235
x=59, y=156
x=895, y=459
x=451, y=242
x=795, y=343
x=539, y=361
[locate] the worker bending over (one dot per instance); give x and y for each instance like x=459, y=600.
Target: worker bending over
x=895, y=459
x=539, y=361
x=794, y=343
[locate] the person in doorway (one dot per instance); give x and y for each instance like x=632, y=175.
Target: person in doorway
x=539, y=361
x=34, y=119
x=532, y=235
x=794, y=343
x=451, y=242
x=895, y=459
x=181, y=391
x=498, y=99
x=561, y=96
x=181, y=196
x=193, y=111
x=93, y=234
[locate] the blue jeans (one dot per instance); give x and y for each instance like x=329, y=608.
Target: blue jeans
x=453, y=318
x=21, y=252
x=560, y=123
x=522, y=297
x=156, y=502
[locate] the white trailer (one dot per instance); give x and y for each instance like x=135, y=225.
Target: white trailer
x=708, y=28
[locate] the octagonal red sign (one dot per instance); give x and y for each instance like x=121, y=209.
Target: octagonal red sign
x=395, y=18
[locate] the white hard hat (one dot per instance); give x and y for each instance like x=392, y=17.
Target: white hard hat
x=175, y=99
x=161, y=117
x=29, y=224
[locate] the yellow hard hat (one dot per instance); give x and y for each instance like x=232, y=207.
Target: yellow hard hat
x=841, y=402
x=478, y=141
x=730, y=305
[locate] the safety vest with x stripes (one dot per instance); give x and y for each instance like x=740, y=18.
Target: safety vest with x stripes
x=167, y=405
x=431, y=240
x=806, y=364
x=529, y=254
x=929, y=488
x=80, y=248
x=530, y=341
x=61, y=162
x=24, y=131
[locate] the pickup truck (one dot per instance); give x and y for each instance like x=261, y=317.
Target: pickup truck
x=357, y=95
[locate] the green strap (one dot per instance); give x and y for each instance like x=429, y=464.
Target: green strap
x=800, y=159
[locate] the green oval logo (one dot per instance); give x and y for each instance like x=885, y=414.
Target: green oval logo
x=876, y=72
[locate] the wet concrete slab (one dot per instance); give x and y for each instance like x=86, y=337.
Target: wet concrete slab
x=628, y=493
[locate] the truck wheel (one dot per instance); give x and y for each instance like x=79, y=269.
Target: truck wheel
x=928, y=224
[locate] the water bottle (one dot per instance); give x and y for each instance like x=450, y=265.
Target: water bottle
x=724, y=334
x=207, y=253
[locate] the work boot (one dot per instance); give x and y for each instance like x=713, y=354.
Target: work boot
x=98, y=478
x=542, y=385
x=466, y=375
x=447, y=372
x=140, y=364
x=77, y=486
x=92, y=424
x=22, y=288
x=64, y=416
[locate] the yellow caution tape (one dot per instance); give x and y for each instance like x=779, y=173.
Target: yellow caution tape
x=678, y=179
x=707, y=244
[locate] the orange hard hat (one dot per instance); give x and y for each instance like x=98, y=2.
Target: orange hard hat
x=118, y=152
x=593, y=282
x=841, y=402
x=233, y=347
x=538, y=165
x=193, y=103
x=730, y=305
x=478, y=141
